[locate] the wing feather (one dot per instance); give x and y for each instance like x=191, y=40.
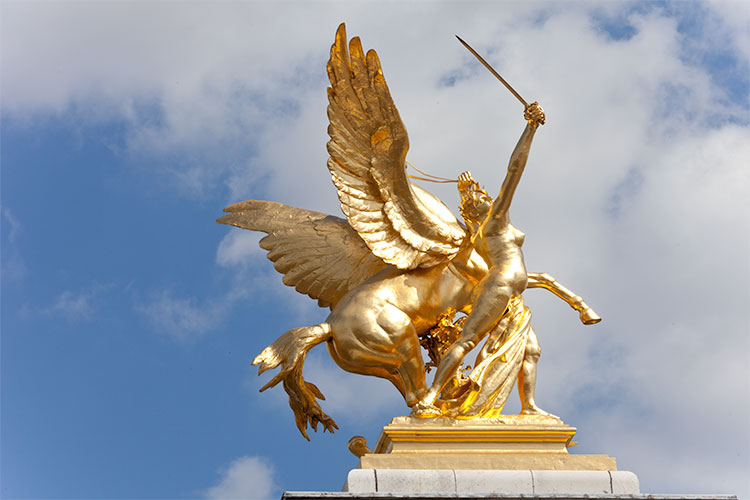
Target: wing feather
x=367, y=151
x=318, y=254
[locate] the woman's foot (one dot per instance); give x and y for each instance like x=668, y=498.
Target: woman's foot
x=535, y=410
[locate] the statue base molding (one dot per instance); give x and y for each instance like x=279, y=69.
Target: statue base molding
x=508, y=442
x=486, y=461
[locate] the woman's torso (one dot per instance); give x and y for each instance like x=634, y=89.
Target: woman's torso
x=500, y=246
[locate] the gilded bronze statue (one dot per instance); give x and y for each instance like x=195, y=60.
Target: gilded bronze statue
x=400, y=266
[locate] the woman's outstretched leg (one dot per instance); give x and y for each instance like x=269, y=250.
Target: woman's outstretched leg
x=488, y=309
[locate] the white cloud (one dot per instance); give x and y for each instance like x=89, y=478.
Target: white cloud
x=239, y=248
x=245, y=478
x=76, y=306
x=732, y=17
x=184, y=319
x=187, y=318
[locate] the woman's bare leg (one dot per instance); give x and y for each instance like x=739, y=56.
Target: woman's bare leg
x=527, y=377
x=488, y=308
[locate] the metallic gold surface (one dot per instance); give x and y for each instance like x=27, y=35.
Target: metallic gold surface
x=507, y=434
x=510, y=442
x=358, y=446
x=400, y=266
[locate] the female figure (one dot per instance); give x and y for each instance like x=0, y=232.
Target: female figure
x=499, y=244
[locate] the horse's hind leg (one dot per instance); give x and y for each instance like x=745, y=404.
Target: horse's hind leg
x=404, y=338
x=288, y=352
x=376, y=371
x=383, y=344
x=411, y=370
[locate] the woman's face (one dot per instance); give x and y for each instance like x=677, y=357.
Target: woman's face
x=480, y=206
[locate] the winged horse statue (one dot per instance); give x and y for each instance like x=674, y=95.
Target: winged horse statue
x=399, y=266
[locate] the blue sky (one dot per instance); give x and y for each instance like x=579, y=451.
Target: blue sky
x=129, y=318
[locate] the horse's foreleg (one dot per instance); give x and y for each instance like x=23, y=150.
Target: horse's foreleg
x=543, y=280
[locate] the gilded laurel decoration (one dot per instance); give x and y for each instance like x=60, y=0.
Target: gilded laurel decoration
x=399, y=268
x=441, y=336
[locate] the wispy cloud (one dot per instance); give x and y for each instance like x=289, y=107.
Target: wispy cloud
x=76, y=306
x=184, y=319
x=245, y=478
x=13, y=224
x=13, y=265
x=239, y=248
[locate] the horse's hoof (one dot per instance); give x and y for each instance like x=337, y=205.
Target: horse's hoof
x=425, y=410
x=589, y=317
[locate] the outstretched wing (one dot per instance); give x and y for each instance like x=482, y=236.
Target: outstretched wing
x=403, y=226
x=318, y=254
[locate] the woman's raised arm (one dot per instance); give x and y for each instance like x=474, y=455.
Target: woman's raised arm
x=534, y=115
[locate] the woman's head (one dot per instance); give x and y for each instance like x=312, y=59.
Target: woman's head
x=475, y=202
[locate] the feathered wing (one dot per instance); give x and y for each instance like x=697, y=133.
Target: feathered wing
x=401, y=224
x=318, y=254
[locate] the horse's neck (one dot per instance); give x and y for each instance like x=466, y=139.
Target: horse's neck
x=458, y=280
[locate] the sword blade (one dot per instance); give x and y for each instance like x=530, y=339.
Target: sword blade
x=492, y=70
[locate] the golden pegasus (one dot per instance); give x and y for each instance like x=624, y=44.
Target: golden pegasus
x=400, y=265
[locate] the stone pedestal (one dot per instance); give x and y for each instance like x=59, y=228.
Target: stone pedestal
x=510, y=457
x=518, y=454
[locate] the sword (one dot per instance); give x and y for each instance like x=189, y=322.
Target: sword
x=492, y=70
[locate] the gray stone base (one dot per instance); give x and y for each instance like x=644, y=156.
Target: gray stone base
x=526, y=482
x=420, y=484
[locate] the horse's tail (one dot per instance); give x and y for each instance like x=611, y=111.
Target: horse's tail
x=289, y=351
